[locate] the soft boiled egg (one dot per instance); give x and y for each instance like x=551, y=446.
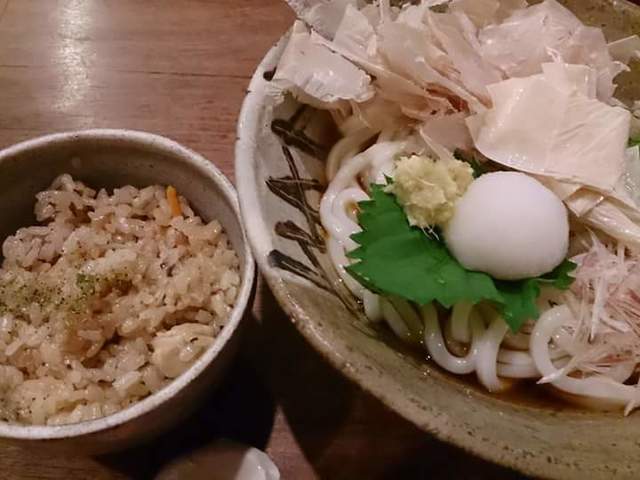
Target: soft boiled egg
x=509, y=225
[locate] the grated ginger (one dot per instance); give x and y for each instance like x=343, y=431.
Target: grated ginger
x=428, y=189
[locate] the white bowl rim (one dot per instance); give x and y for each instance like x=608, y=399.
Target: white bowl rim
x=142, y=407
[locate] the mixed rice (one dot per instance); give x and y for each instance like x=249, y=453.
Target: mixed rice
x=107, y=300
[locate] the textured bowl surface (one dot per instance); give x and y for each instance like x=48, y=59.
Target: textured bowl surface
x=279, y=166
x=112, y=158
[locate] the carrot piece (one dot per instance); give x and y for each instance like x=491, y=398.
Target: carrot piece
x=174, y=204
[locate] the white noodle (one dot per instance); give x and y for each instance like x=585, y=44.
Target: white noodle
x=547, y=350
x=486, y=367
x=372, y=307
x=347, y=148
x=410, y=317
x=394, y=320
x=437, y=348
x=596, y=386
x=341, y=214
x=460, y=322
x=346, y=177
x=340, y=261
x=515, y=357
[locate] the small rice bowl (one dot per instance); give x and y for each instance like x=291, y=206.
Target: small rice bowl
x=107, y=300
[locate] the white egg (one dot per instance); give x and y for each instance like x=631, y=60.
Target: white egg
x=510, y=226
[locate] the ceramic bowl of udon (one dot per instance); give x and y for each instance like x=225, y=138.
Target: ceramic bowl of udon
x=280, y=164
x=109, y=159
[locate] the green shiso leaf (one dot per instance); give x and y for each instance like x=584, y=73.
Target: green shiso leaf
x=395, y=259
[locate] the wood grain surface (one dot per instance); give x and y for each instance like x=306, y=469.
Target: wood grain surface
x=180, y=68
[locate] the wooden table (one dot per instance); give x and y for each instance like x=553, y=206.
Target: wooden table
x=180, y=68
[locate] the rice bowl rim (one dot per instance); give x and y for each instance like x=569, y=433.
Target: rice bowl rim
x=218, y=181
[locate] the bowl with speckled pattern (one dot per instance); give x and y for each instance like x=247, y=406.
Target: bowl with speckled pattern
x=280, y=170
x=109, y=159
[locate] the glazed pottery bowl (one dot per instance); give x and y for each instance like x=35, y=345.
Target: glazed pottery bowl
x=280, y=170
x=108, y=159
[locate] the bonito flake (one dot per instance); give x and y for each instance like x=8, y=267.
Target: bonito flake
x=549, y=124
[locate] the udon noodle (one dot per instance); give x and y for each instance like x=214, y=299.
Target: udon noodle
x=469, y=339
x=526, y=92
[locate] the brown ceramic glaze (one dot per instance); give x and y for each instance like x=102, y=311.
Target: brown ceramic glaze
x=279, y=169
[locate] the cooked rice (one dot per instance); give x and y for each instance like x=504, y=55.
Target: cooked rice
x=107, y=300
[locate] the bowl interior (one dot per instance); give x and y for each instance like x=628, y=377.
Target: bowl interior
x=114, y=158
x=280, y=170
x=107, y=161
